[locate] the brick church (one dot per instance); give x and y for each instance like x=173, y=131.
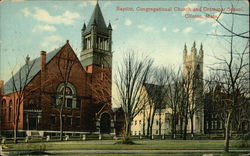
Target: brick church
x=83, y=84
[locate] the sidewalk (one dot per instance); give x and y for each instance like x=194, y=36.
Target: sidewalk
x=142, y=151
x=134, y=151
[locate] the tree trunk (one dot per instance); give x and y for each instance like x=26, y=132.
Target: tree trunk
x=227, y=130
x=172, y=125
x=127, y=129
x=185, y=128
x=192, y=125
x=175, y=120
x=148, y=127
x=61, y=111
x=61, y=126
x=152, y=123
x=181, y=126
x=143, y=123
x=160, y=122
x=16, y=122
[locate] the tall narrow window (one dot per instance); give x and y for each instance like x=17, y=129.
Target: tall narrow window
x=10, y=110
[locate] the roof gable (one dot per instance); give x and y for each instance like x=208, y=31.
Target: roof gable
x=20, y=77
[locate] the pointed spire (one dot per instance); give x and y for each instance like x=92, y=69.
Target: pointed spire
x=96, y=19
x=84, y=27
x=185, y=52
x=110, y=27
x=194, y=45
x=193, y=50
x=201, y=50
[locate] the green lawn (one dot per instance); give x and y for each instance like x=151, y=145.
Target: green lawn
x=109, y=145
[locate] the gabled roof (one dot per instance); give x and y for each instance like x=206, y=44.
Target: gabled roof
x=154, y=92
x=21, y=74
x=97, y=19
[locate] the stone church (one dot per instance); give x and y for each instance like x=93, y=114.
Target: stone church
x=193, y=77
x=193, y=80
x=84, y=83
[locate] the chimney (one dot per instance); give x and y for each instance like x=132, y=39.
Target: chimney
x=42, y=65
x=27, y=59
x=1, y=87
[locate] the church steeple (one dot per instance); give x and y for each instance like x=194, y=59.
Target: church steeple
x=96, y=19
x=96, y=41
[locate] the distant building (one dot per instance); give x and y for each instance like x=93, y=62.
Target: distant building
x=215, y=104
x=193, y=73
x=140, y=126
x=88, y=105
x=193, y=77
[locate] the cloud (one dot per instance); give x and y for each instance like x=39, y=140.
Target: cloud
x=85, y=3
x=128, y=22
x=42, y=15
x=52, y=41
x=26, y=11
x=56, y=6
x=71, y=15
x=191, y=6
x=187, y=29
x=43, y=28
x=176, y=30
x=145, y=28
x=114, y=27
x=164, y=29
x=209, y=20
x=106, y=4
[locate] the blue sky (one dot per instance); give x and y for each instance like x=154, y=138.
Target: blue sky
x=27, y=27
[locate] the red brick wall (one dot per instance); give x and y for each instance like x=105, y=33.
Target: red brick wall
x=94, y=90
x=8, y=117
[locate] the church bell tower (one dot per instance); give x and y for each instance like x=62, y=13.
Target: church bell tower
x=193, y=74
x=96, y=42
x=96, y=58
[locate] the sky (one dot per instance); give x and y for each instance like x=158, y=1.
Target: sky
x=28, y=27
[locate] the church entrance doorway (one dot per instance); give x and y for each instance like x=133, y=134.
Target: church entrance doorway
x=105, y=123
x=32, y=123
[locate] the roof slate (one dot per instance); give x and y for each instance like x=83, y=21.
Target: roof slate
x=21, y=74
x=96, y=18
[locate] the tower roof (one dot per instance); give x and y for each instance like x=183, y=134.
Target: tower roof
x=96, y=19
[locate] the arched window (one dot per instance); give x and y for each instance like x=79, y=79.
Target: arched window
x=10, y=110
x=70, y=96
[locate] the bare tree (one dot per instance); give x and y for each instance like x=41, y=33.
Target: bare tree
x=234, y=71
x=157, y=91
x=151, y=105
x=65, y=62
x=132, y=73
x=174, y=97
x=19, y=82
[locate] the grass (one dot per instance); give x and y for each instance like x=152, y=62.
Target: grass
x=110, y=145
